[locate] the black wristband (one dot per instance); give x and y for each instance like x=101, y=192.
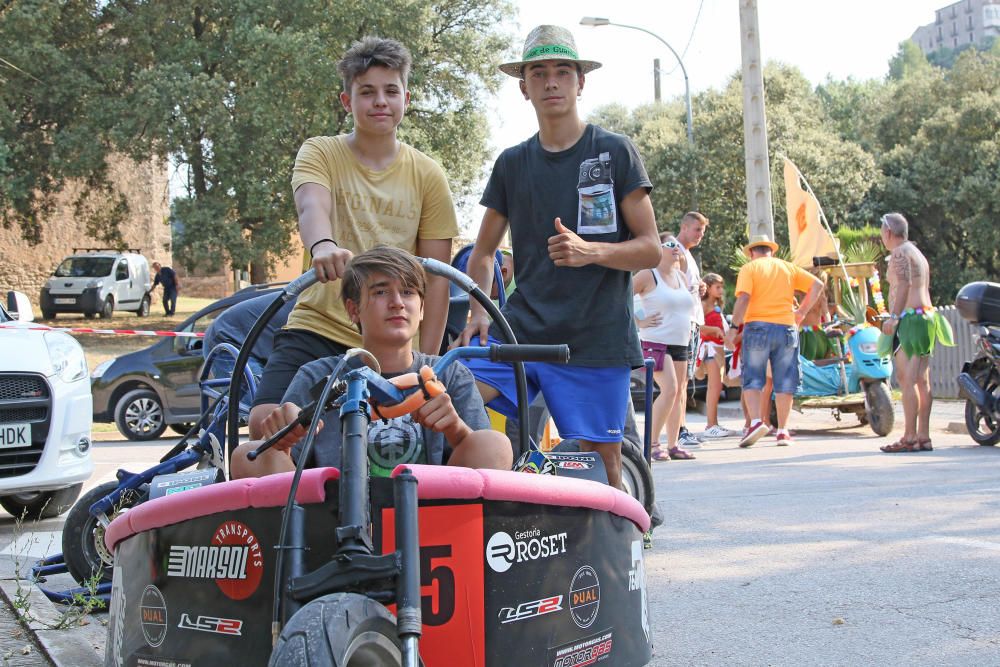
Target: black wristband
x=321, y=241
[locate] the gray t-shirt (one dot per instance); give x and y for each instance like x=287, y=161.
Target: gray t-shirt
x=589, y=307
x=394, y=441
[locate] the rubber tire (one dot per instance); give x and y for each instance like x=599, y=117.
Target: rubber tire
x=988, y=379
x=79, y=553
x=41, y=504
x=48, y=315
x=636, y=475
x=130, y=398
x=338, y=630
x=108, y=309
x=878, y=408
x=143, y=310
x=89, y=316
x=181, y=429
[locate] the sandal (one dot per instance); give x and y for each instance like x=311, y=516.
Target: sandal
x=924, y=445
x=659, y=454
x=679, y=454
x=902, y=446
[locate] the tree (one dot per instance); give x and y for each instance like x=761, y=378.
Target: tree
x=229, y=90
x=944, y=176
x=909, y=59
x=52, y=131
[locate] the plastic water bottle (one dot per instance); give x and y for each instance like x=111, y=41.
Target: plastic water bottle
x=640, y=312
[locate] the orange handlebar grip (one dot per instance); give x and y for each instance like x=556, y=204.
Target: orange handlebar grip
x=413, y=401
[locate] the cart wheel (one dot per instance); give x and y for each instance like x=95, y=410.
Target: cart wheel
x=339, y=630
x=878, y=408
x=83, y=545
x=636, y=475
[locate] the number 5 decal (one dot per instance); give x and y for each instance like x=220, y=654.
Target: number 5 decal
x=441, y=578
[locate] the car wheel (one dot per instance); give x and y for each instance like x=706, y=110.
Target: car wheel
x=48, y=315
x=108, y=309
x=139, y=415
x=143, y=307
x=89, y=315
x=181, y=429
x=37, y=505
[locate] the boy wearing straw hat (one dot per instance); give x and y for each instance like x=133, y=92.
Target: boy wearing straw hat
x=765, y=305
x=576, y=200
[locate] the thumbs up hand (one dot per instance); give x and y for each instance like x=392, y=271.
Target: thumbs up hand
x=568, y=249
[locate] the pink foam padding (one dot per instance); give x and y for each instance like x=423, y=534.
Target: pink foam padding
x=270, y=491
x=440, y=482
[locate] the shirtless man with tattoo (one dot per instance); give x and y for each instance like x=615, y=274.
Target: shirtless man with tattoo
x=914, y=327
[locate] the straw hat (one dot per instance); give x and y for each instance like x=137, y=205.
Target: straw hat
x=759, y=240
x=548, y=42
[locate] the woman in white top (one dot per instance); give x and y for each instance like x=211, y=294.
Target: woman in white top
x=665, y=331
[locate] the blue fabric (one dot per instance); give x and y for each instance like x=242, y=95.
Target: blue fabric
x=586, y=402
x=819, y=380
x=778, y=344
x=461, y=262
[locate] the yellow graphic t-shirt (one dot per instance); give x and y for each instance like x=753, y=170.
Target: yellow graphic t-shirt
x=407, y=202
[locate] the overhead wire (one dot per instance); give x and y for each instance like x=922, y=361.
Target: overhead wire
x=690, y=39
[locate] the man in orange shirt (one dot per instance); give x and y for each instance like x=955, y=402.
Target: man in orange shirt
x=765, y=305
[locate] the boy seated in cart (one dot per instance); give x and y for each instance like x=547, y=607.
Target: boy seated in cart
x=383, y=293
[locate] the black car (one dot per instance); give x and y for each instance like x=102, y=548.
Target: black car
x=146, y=391
x=696, y=389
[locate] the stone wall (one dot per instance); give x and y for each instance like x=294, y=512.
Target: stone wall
x=25, y=267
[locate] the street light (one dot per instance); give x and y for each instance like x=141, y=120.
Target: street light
x=595, y=22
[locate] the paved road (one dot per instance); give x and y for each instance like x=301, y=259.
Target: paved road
x=824, y=553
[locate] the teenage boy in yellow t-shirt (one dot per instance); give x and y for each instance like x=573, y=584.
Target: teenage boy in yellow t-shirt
x=353, y=192
x=765, y=305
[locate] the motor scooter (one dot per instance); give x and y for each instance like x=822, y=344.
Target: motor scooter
x=979, y=381
x=856, y=382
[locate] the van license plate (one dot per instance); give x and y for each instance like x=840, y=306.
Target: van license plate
x=15, y=435
x=65, y=302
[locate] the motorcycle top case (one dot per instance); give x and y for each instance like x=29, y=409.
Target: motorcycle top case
x=979, y=303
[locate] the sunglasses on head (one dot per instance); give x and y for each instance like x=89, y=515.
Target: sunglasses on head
x=669, y=244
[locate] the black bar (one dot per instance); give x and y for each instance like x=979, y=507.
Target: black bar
x=303, y=419
x=647, y=439
x=408, y=618
x=555, y=354
x=296, y=563
x=352, y=515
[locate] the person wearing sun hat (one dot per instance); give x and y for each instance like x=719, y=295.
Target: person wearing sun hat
x=575, y=198
x=765, y=306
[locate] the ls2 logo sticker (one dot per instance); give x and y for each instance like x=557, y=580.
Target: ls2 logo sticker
x=219, y=626
x=531, y=609
x=502, y=550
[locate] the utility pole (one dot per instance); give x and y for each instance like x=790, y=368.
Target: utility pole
x=758, y=164
x=656, y=80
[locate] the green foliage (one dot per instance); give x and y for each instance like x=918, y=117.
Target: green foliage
x=909, y=59
x=228, y=90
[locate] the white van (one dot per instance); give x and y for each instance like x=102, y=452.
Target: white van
x=98, y=282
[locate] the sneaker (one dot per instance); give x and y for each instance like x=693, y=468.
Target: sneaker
x=694, y=436
x=784, y=439
x=756, y=432
x=717, y=431
x=688, y=440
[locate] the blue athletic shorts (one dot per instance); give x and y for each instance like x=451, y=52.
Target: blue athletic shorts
x=586, y=402
x=777, y=343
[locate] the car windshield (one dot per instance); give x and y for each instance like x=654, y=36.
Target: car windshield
x=84, y=267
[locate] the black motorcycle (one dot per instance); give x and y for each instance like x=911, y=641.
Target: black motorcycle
x=979, y=381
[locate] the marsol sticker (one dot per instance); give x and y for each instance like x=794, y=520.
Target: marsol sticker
x=233, y=559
